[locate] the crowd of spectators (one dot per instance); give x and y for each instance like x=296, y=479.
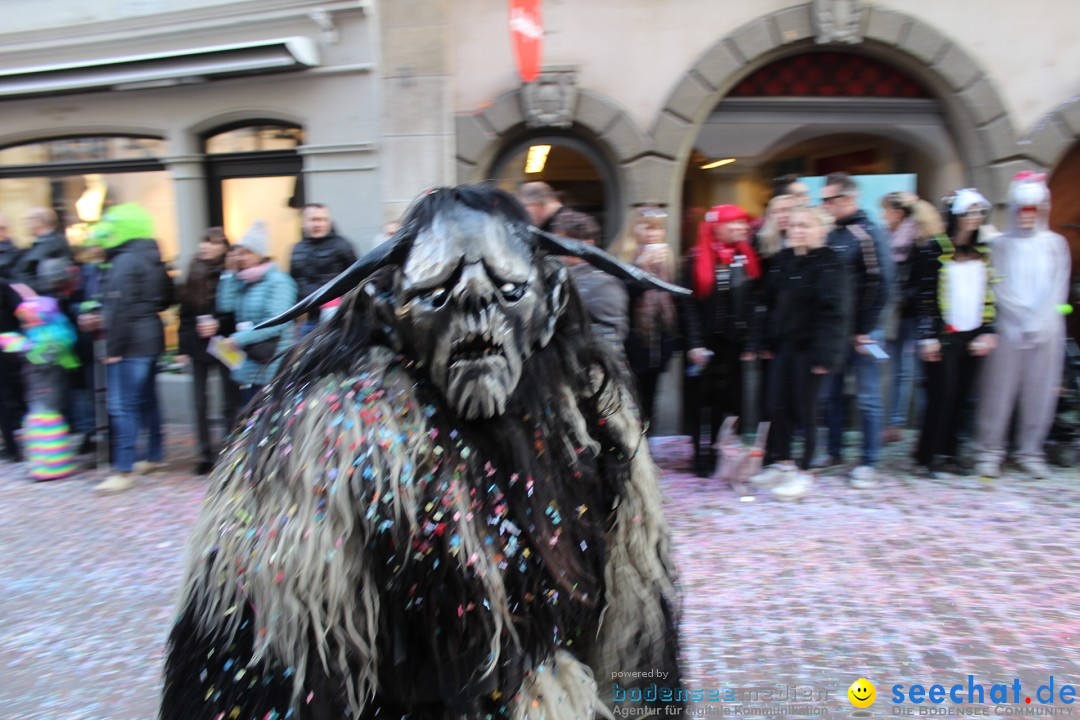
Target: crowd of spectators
x=938, y=322
x=65, y=315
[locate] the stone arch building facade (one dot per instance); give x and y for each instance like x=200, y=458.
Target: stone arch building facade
x=652, y=162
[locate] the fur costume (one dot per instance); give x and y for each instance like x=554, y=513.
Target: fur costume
x=443, y=505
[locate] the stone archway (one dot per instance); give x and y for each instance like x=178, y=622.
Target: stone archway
x=1054, y=134
x=595, y=119
x=983, y=130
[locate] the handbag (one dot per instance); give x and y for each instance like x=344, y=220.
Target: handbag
x=263, y=352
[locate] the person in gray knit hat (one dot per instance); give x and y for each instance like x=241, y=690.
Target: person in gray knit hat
x=256, y=240
x=254, y=290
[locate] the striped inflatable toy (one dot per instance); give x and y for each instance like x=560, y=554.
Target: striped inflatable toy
x=48, y=446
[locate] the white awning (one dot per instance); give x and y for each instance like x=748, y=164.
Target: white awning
x=178, y=67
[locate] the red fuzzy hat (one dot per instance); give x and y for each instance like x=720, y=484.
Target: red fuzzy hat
x=708, y=253
x=722, y=214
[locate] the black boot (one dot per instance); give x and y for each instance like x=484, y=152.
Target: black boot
x=88, y=445
x=704, y=462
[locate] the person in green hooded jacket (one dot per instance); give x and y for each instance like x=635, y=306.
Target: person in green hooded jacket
x=135, y=288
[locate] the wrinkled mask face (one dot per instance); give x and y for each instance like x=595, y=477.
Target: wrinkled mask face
x=472, y=306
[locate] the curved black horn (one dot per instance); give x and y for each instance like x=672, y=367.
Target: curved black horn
x=343, y=283
x=555, y=245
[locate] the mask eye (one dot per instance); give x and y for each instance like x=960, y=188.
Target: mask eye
x=512, y=292
x=436, y=296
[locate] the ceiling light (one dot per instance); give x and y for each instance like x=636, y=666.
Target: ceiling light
x=718, y=163
x=537, y=158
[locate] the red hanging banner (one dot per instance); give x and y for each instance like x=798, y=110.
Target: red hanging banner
x=527, y=32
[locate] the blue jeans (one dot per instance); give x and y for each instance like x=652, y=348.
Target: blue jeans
x=132, y=399
x=903, y=371
x=868, y=391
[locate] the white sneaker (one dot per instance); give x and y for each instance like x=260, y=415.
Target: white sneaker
x=116, y=483
x=771, y=476
x=146, y=467
x=794, y=487
x=988, y=469
x=1037, y=469
x=863, y=478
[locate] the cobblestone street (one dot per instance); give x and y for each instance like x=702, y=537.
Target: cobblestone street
x=916, y=581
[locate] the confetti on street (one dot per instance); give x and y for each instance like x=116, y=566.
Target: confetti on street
x=914, y=581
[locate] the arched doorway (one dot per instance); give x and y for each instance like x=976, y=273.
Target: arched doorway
x=578, y=172
x=254, y=172
x=967, y=97
x=818, y=112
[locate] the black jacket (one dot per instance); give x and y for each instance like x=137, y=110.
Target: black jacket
x=9, y=255
x=316, y=261
x=135, y=289
x=724, y=316
x=51, y=245
x=870, y=265
x=188, y=339
x=805, y=303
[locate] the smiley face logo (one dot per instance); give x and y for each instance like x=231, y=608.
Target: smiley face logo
x=862, y=693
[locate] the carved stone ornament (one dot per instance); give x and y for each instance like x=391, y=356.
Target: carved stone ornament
x=837, y=21
x=550, y=101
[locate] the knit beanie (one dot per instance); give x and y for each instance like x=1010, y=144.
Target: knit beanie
x=257, y=239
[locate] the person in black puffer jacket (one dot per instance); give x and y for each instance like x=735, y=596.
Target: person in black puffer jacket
x=803, y=330
x=320, y=256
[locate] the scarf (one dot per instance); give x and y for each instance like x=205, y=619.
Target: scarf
x=255, y=273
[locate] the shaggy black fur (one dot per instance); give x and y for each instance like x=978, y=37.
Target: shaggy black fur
x=560, y=495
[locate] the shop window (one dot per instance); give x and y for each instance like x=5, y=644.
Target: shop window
x=255, y=138
x=80, y=176
x=83, y=149
x=254, y=172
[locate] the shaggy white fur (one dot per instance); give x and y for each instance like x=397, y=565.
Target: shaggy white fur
x=285, y=527
x=638, y=573
x=310, y=578
x=562, y=689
